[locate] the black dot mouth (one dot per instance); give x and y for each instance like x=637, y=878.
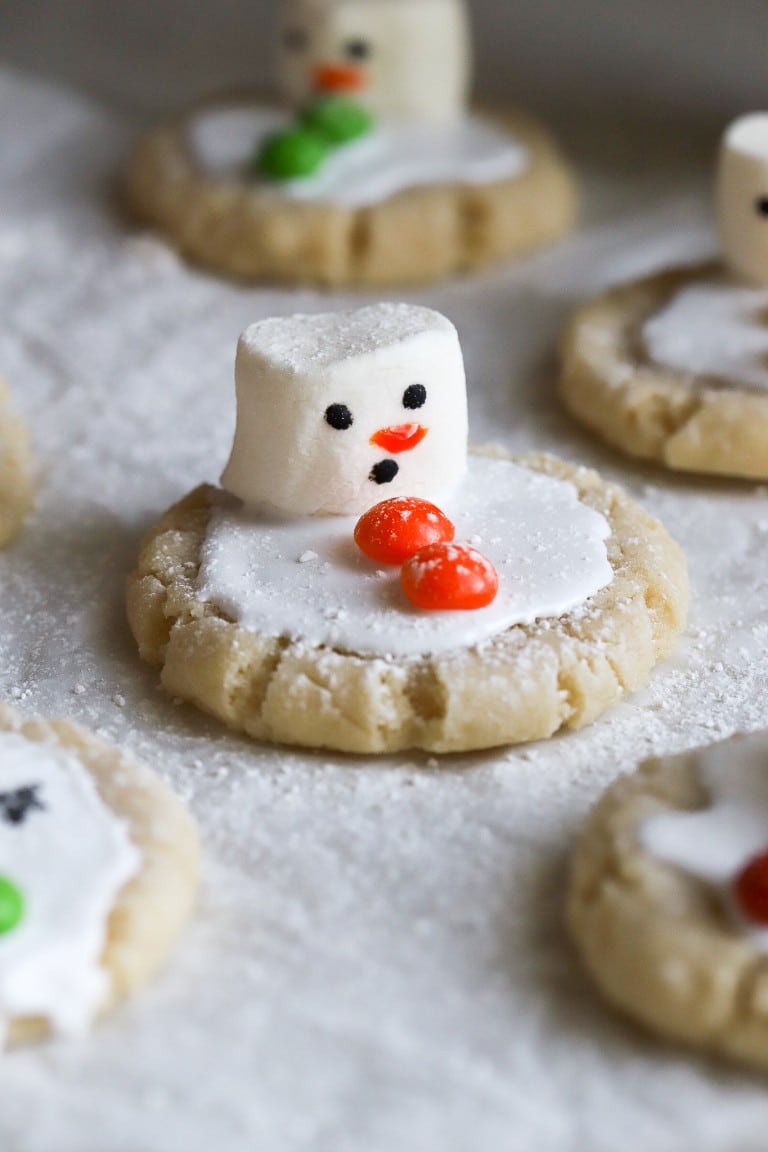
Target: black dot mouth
x=384, y=472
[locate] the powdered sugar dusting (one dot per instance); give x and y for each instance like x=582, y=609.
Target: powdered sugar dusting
x=302, y=343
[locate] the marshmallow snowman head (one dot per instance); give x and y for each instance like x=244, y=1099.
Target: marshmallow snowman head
x=339, y=411
x=404, y=59
x=742, y=198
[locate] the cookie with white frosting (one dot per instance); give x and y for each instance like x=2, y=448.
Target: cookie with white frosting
x=668, y=899
x=674, y=367
x=15, y=470
x=361, y=583
x=370, y=167
x=98, y=873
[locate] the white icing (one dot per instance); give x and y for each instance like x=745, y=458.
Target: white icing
x=715, y=843
x=742, y=185
x=417, y=64
x=396, y=156
x=715, y=329
x=291, y=370
x=548, y=548
x=69, y=859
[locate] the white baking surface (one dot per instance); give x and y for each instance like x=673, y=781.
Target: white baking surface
x=379, y=961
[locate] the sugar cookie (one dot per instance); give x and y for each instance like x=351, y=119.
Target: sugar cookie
x=371, y=170
x=668, y=894
x=98, y=872
x=273, y=615
x=674, y=367
x=15, y=470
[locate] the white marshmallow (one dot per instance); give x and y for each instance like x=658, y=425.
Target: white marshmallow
x=394, y=370
x=742, y=197
x=406, y=59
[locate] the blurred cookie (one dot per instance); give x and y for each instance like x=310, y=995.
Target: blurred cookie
x=98, y=874
x=370, y=170
x=668, y=899
x=15, y=470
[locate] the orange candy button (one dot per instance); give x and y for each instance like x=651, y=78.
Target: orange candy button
x=451, y=577
x=751, y=888
x=394, y=530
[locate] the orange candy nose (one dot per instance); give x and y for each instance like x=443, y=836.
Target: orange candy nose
x=401, y=438
x=339, y=78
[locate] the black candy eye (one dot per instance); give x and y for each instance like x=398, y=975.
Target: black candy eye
x=761, y=205
x=295, y=39
x=415, y=396
x=16, y=805
x=358, y=49
x=339, y=417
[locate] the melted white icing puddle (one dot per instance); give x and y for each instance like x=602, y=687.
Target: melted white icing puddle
x=716, y=843
x=69, y=856
x=306, y=580
x=713, y=329
x=394, y=157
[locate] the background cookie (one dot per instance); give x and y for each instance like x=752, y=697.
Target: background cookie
x=15, y=470
x=662, y=897
x=650, y=410
x=153, y=846
x=673, y=367
x=525, y=684
x=414, y=237
x=371, y=171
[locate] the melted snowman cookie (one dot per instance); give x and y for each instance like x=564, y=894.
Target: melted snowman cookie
x=674, y=367
x=15, y=471
x=371, y=170
x=98, y=870
x=536, y=598
x=669, y=897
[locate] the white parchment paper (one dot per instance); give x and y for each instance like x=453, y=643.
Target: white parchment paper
x=379, y=961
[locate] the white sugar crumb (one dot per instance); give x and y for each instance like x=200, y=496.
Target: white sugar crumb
x=302, y=342
x=308, y=557
x=118, y=700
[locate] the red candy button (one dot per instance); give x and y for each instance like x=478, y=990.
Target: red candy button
x=449, y=576
x=751, y=889
x=394, y=530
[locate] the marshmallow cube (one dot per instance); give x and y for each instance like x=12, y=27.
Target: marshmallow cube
x=402, y=59
x=339, y=411
x=742, y=198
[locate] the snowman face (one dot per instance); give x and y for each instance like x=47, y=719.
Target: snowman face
x=338, y=412
x=407, y=59
x=63, y=859
x=742, y=198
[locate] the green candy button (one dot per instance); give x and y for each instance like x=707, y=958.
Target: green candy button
x=291, y=155
x=11, y=906
x=337, y=119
